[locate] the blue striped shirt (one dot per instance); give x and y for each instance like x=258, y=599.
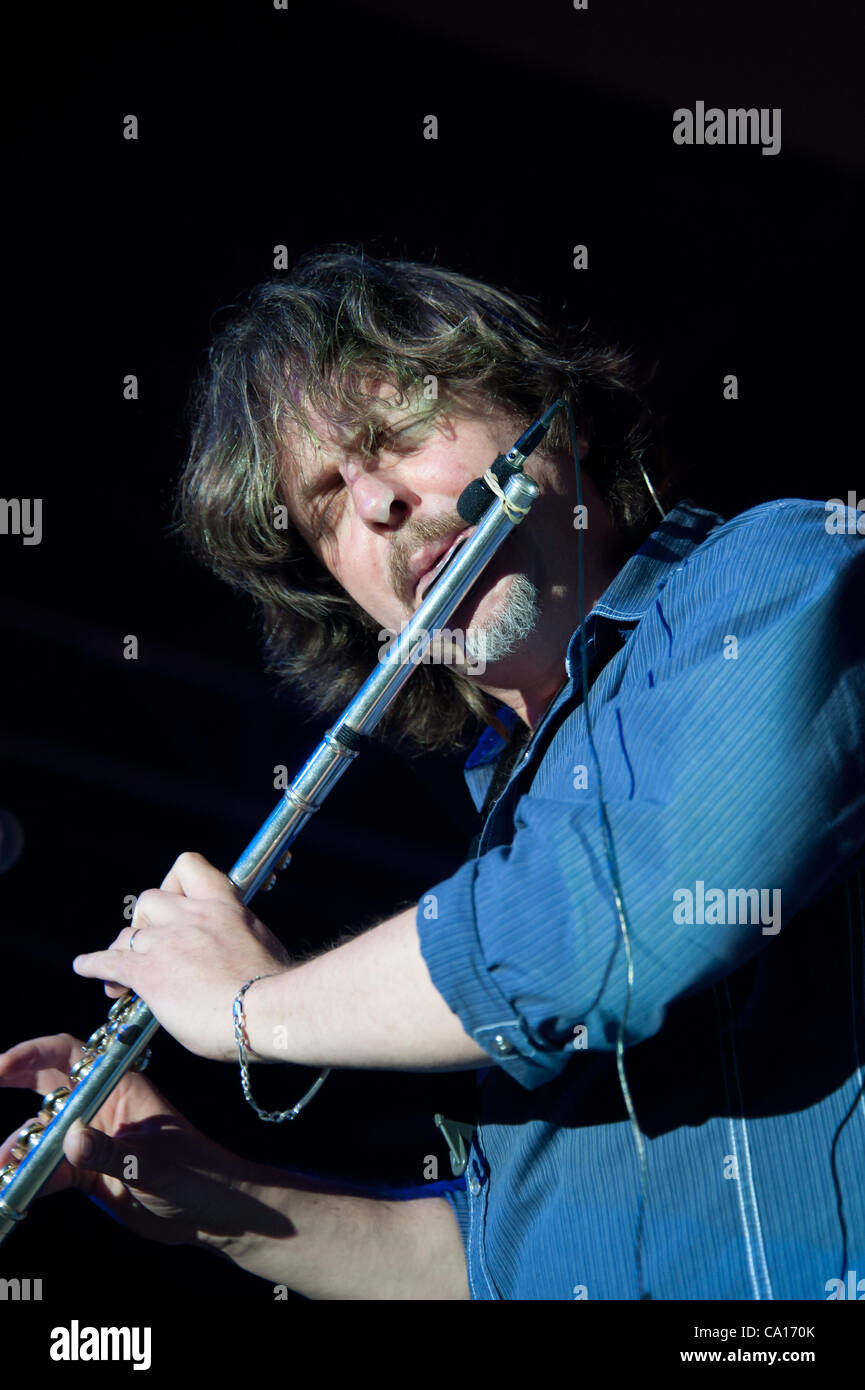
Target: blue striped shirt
x=727, y=689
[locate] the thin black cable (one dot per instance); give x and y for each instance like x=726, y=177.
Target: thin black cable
x=839, y=1196
x=607, y=835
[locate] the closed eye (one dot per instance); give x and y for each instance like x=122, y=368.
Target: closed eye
x=409, y=437
x=327, y=502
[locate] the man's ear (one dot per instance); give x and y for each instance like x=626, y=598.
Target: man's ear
x=582, y=448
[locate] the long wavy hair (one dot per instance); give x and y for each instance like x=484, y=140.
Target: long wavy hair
x=315, y=338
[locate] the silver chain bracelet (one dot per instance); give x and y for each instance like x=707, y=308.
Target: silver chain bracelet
x=242, y=1039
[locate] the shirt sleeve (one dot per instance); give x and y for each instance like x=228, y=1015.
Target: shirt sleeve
x=730, y=740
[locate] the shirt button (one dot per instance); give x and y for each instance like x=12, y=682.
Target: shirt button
x=501, y=1043
x=474, y=1185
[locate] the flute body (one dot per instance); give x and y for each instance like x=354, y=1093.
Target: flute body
x=120, y=1044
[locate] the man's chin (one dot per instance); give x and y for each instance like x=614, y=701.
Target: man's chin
x=485, y=605
x=490, y=626
x=497, y=627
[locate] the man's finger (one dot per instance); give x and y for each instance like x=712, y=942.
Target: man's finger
x=141, y=915
x=193, y=876
x=40, y=1064
x=158, y=907
x=58, y=1180
x=9, y=1143
x=117, y=967
x=90, y=1148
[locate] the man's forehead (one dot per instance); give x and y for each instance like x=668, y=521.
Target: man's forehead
x=387, y=405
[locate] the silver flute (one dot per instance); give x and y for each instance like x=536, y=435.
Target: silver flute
x=121, y=1043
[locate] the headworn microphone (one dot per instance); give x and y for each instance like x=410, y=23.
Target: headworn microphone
x=474, y=501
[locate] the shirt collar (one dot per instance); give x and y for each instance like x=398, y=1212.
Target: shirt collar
x=626, y=599
x=684, y=528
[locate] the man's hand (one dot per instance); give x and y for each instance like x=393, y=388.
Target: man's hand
x=367, y=1003
x=188, y=1190
x=148, y=1165
x=195, y=945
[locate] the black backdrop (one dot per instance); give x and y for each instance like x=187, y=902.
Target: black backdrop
x=261, y=127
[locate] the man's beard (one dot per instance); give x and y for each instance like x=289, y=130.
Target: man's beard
x=515, y=622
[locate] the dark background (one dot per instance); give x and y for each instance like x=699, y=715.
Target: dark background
x=261, y=127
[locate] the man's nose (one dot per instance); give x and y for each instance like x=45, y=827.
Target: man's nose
x=381, y=497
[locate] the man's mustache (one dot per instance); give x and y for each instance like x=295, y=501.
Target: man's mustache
x=409, y=541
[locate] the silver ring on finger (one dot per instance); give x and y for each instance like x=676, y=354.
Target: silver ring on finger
x=132, y=938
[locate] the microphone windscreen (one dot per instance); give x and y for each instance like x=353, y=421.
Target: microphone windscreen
x=475, y=499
